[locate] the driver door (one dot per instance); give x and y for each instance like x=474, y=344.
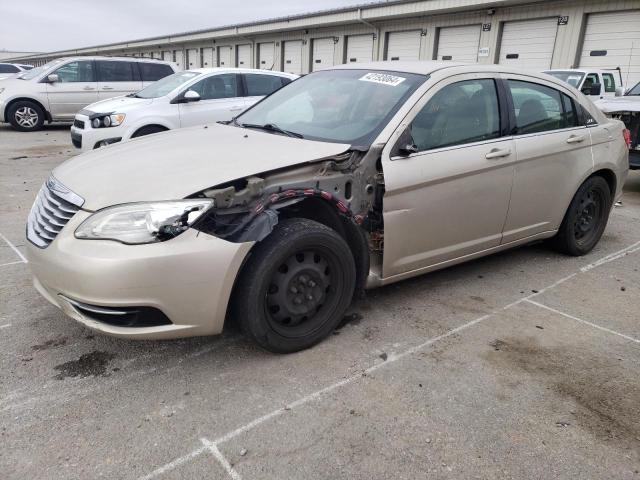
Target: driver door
x=220, y=99
x=448, y=198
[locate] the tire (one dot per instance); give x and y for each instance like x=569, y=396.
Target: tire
x=26, y=116
x=148, y=131
x=295, y=287
x=585, y=219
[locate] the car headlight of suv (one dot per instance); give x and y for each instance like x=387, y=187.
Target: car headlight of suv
x=111, y=120
x=138, y=223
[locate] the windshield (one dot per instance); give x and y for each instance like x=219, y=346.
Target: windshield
x=166, y=85
x=34, y=72
x=572, y=78
x=635, y=90
x=341, y=106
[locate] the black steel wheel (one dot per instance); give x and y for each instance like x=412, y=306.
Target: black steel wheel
x=586, y=218
x=296, y=286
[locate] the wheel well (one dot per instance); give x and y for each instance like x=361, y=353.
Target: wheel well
x=25, y=99
x=610, y=178
x=153, y=125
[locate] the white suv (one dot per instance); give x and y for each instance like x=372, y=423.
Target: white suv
x=185, y=99
x=12, y=69
x=61, y=88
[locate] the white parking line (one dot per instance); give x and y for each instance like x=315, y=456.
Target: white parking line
x=391, y=359
x=13, y=247
x=5, y=326
x=221, y=458
x=11, y=263
x=604, y=329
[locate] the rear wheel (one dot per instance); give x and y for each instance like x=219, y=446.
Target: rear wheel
x=586, y=218
x=296, y=286
x=148, y=131
x=26, y=116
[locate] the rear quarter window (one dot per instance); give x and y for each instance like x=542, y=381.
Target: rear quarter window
x=151, y=72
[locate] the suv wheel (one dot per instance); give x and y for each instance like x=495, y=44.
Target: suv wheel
x=295, y=287
x=26, y=116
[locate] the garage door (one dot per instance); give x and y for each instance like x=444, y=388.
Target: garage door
x=403, y=45
x=359, y=48
x=244, y=56
x=323, y=51
x=459, y=44
x=292, y=60
x=224, y=57
x=266, y=55
x=178, y=58
x=193, y=58
x=167, y=56
x=529, y=43
x=613, y=40
x=208, y=57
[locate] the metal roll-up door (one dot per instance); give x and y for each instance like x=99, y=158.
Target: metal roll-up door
x=193, y=58
x=243, y=53
x=266, y=55
x=224, y=57
x=323, y=53
x=613, y=40
x=459, y=44
x=359, y=48
x=167, y=56
x=208, y=57
x=292, y=60
x=529, y=43
x=177, y=55
x=403, y=45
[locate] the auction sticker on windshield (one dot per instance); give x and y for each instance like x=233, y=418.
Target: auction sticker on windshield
x=383, y=78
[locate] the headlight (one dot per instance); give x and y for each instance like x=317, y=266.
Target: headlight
x=136, y=223
x=111, y=120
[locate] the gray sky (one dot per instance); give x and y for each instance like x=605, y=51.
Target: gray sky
x=48, y=25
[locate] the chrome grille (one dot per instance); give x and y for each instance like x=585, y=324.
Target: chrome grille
x=54, y=206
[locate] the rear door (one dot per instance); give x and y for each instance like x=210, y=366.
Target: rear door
x=553, y=153
x=76, y=88
x=450, y=198
x=116, y=78
x=220, y=99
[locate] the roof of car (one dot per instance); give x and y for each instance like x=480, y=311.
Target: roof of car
x=129, y=59
x=241, y=70
x=419, y=67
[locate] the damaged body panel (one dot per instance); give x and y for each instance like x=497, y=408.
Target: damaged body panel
x=627, y=110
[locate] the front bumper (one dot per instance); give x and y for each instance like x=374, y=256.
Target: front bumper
x=189, y=279
x=85, y=139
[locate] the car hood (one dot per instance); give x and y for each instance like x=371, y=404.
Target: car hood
x=178, y=163
x=118, y=104
x=629, y=103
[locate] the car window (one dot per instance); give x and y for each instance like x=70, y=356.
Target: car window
x=217, y=86
x=81, y=71
x=569, y=111
x=259, y=85
x=591, y=79
x=9, y=69
x=154, y=71
x=609, y=82
x=538, y=108
x=572, y=78
x=462, y=112
x=114, y=71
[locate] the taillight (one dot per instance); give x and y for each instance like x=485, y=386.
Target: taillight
x=626, y=134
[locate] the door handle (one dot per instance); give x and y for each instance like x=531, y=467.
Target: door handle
x=107, y=88
x=88, y=88
x=497, y=153
x=235, y=109
x=575, y=139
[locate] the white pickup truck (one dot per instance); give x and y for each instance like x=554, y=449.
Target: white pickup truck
x=627, y=109
x=596, y=84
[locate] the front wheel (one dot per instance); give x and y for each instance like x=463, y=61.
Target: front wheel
x=586, y=218
x=26, y=116
x=296, y=286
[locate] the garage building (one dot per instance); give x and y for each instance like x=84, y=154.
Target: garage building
x=523, y=33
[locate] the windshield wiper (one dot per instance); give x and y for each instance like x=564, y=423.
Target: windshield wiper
x=272, y=127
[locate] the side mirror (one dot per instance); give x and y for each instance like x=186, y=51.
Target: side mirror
x=620, y=91
x=593, y=89
x=191, y=96
x=53, y=78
